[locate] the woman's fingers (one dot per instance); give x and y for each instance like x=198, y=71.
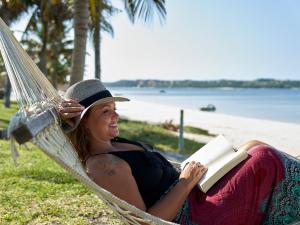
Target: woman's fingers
x=197, y=164
x=200, y=168
x=70, y=103
x=192, y=173
x=69, y=109
x=69, y=115
x=197, y=167
x=70, y=106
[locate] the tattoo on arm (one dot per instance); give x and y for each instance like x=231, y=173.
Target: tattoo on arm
x=111, y=172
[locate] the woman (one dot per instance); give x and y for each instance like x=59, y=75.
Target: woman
x=265, y=188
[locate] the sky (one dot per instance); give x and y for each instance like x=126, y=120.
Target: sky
x=205, y=40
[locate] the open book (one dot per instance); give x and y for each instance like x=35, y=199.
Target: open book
x=219, y=157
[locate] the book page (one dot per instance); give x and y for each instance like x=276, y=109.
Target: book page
x=219, y=157
x=220, y=167
x=210, y=152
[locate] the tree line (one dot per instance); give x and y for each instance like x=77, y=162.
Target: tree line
x=48, y=37
x=258, y=83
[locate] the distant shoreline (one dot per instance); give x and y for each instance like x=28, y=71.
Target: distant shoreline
x=281, y=135
x=258, y=83
x=280, y=104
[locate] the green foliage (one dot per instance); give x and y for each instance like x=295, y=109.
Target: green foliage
x=45, y=36
x=46, y=39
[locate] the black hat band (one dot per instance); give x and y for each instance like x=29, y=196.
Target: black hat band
x=93, y=98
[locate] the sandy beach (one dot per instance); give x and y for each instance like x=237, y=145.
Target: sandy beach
x=283, y=136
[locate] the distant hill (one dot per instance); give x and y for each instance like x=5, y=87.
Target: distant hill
x=258, y=83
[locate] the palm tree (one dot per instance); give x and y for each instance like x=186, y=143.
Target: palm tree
x=99, y=11
x=58, y=50
x=60, y=56
x=11, y=11
x=81, y=21
x=45, y=39
x=136, y=9
x=96, y=13
x=44, y=16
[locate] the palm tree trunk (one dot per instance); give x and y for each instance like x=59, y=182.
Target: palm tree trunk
x=57, y=49
x=81, y=19
x=43, y=53
x=97, y=41
x=7, y=92
x=98, y=59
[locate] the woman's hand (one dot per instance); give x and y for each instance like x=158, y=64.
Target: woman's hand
x=69, y=109
x=192, y=173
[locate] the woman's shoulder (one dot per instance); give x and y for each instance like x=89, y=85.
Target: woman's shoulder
x=104, y=164
x=114, y=175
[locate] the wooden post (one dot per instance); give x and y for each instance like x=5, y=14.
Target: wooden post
x=181, y=140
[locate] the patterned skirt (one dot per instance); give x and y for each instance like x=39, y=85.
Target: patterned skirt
x=264, y=189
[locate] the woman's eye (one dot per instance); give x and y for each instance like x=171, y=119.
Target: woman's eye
x=105, y=111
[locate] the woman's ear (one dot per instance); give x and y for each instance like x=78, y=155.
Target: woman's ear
x=87, y=130
x=86, y=127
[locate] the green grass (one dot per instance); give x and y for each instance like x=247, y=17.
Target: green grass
x=196, y=130
x=38, y=191
x=5, y=113
x=156, y=135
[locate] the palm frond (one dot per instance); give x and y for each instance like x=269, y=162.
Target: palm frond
x=130, y=8
x=107, y=27
x=145, y=10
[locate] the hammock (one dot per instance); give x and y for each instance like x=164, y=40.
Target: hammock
x=35, y=94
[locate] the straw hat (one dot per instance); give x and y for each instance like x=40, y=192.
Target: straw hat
x=89, y=93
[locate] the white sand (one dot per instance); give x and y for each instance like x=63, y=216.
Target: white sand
x=283, y=136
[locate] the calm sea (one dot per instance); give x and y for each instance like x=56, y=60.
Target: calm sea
x=272, y=104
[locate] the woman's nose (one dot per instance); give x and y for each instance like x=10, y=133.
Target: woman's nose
x=115, y=114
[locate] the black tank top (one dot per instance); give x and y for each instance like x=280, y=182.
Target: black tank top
x=152, y=172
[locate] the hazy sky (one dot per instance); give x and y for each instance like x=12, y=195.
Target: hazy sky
x=212, y=39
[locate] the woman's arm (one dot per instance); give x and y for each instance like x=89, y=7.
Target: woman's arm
x=115, y=176
x=168, y=206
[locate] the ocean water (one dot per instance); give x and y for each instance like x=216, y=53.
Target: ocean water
x=271, y=104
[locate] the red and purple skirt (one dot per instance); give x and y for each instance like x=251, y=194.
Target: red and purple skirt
x=264, y=189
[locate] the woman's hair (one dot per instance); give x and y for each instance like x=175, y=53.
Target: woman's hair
x=80, y=140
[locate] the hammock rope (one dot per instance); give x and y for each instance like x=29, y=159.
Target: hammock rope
x=35, y=94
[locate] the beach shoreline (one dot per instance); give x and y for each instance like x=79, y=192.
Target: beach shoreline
x=283, y=136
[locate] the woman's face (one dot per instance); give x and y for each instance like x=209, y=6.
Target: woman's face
x=102, y=122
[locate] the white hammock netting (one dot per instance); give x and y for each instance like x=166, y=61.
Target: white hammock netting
x=35, y=94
